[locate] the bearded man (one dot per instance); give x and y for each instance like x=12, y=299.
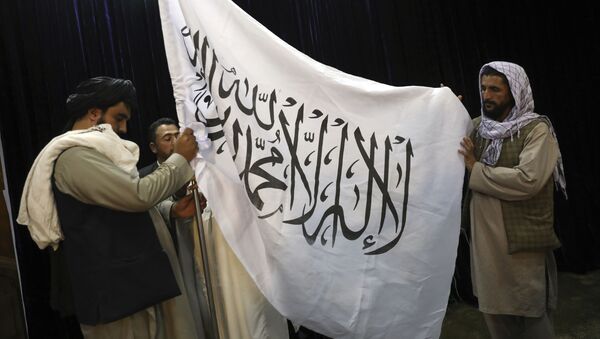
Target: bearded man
x=512, y=156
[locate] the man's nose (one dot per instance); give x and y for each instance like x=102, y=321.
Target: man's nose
x=485, y=94
x=123, y=127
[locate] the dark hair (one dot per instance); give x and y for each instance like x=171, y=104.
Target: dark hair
x=489, y=70
x=100, y=92
x=154, y=126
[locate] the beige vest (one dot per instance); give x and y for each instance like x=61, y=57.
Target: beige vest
x=529, y=223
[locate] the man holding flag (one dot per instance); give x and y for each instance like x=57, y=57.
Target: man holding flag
x=83, y=193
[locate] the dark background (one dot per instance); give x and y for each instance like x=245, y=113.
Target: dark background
x=47, y=47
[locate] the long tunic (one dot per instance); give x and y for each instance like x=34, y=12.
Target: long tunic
x=524, y=283
x=182, y=230
x=92, y=178
x=242, y=310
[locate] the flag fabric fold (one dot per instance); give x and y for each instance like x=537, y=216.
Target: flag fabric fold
x=339, y=195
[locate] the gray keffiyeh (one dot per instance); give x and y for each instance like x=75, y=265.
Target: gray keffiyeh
x=520, y=115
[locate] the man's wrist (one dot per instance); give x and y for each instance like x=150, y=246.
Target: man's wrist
x=470, y=165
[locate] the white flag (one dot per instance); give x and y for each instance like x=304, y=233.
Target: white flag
x=340, y=196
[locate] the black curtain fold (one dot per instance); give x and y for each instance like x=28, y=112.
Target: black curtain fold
x=47, y=47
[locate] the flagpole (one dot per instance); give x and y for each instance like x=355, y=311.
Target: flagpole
x=205, y=265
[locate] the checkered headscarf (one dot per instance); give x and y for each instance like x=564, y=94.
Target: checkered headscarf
x=520, y=115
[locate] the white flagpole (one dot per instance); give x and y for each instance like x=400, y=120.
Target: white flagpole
x=205, y=265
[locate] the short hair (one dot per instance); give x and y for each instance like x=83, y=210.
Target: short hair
x=154, y=126
x=489, y=70
x=100, y=92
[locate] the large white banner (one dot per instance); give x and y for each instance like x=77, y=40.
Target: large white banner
x=340, y=196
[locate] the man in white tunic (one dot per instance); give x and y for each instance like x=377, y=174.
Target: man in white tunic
x=511, y=157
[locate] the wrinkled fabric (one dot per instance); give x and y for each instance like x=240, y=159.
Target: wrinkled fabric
x=340, y=196
x=511, y=283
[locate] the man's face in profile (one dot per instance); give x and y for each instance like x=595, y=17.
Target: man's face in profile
x=117, y=116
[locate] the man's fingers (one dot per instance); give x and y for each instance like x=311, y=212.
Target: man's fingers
x=186, y=144
x=466, y=142
x=187, y=199
x=192, y=186
x=467, y=147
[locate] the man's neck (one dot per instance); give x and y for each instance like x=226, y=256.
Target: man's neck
x=503, y=116
x=82, y=124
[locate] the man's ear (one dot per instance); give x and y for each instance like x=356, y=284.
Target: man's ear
x=153, y=147
x=94, y=115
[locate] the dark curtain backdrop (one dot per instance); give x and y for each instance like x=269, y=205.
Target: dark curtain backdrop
x=47, y=47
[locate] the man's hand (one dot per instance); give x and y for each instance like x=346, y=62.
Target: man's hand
x=185, y=189
x=186, y=145
x=184, y=207
x=468, y=152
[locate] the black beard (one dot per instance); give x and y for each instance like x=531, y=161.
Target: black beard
x=120, y=134
x=495, y=112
